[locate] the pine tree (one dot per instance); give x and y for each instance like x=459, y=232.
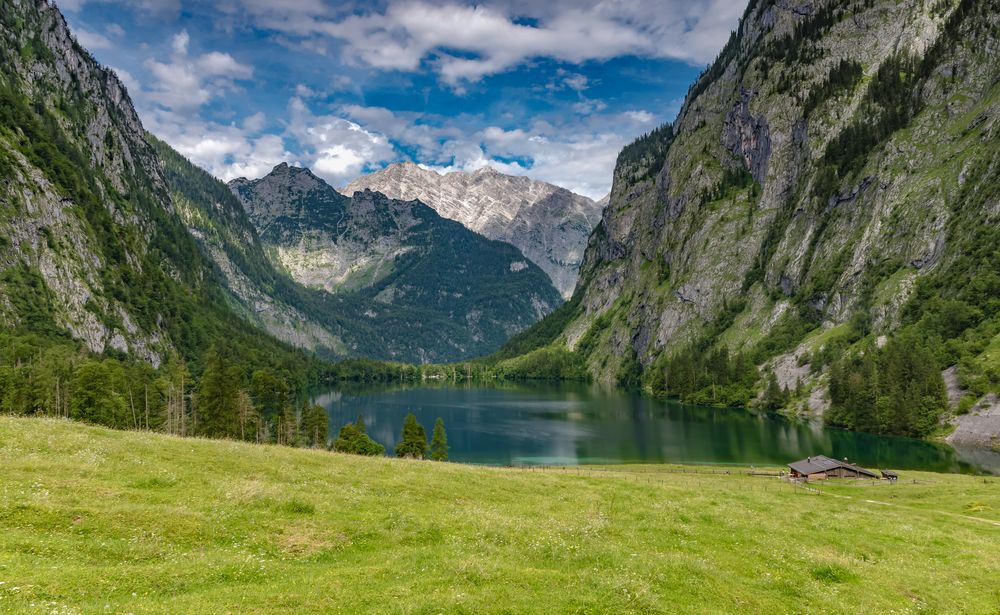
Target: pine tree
x=315, y=425
x=218, y=398
x=413, y=443
x=439, y=442
x=774, y=396
x=94, y=396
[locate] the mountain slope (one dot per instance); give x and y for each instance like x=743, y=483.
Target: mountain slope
x=826, y=182
x=550, y=225
x=91, y=244
x=429, y=288
x=258, y=292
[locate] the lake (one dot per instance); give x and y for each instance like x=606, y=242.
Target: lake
x=570, y=424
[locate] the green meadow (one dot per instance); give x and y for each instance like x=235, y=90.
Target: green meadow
x=100, y=521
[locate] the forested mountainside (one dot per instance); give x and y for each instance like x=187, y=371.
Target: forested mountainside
x=549, y=224
x=421, y=287
x=110, y=310
x=825, y=208
x=91, y=245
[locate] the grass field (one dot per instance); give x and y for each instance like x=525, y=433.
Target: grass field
x=94, y=521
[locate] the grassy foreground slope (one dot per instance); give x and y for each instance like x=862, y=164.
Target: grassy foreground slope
x=94, y=520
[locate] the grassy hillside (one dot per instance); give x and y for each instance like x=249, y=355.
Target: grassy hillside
x=93, y=520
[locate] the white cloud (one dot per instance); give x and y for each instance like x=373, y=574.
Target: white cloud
x=180, y=42
x=170, y=106
x=336, y=148
x=114, y=30
x=464, y=43
x=92, y=40
x=588, y=106
x=640, y=116
x=576, y=81
x=304, y=91
x=254, y=123
x=187, y=82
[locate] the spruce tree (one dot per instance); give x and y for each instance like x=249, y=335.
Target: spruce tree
x=218, y=398
x=413, y=443
x=94, y=396
x=439, y=442
x=314, y=425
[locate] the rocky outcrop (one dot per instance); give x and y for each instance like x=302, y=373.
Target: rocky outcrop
x=747, y=136
x=550, y=225
x=980, y=427
x=49, y=234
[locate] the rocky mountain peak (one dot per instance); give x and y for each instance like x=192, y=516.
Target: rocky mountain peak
x=548, y=223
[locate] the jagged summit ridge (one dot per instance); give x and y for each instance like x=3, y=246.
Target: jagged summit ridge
x=549, y=224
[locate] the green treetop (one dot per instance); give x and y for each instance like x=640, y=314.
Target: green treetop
x=439, y=442
x=413, y=444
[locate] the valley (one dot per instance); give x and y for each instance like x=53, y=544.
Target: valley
x=250, y=256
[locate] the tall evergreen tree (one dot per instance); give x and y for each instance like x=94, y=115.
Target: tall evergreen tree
x=315, y=424
x=439, y=442
x=218, y=411
x=413, y=443
x=95, y=398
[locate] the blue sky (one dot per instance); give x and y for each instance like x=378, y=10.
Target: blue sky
x=551, y=90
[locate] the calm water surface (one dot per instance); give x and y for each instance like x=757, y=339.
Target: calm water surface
x=572, y=424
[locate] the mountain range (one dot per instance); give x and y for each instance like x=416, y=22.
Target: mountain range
x=397, y=264
x=110, y=237
x=549, y=224
x=816, y=231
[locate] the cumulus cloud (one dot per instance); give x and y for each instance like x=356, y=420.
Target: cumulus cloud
x=114, y=30
x=171, y=100
x=92, y=40
x=580, y=159
x=337, y=148
x=186, y=82
x=464, y=43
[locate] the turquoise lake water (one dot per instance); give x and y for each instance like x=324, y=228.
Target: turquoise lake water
x=574, y=424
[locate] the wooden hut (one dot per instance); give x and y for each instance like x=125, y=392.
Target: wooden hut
x=821, y=467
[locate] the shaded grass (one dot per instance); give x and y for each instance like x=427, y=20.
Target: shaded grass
x=93, y=520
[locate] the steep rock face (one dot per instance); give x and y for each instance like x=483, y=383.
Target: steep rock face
x=550, y=225
x=787, y=200
x=427, y=287
x=85, y=213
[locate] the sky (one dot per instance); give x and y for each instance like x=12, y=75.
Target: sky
x=551, y=89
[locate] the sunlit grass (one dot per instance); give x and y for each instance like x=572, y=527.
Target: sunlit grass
x=93, y=520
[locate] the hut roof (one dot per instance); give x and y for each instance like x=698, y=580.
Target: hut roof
x=822, y=463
